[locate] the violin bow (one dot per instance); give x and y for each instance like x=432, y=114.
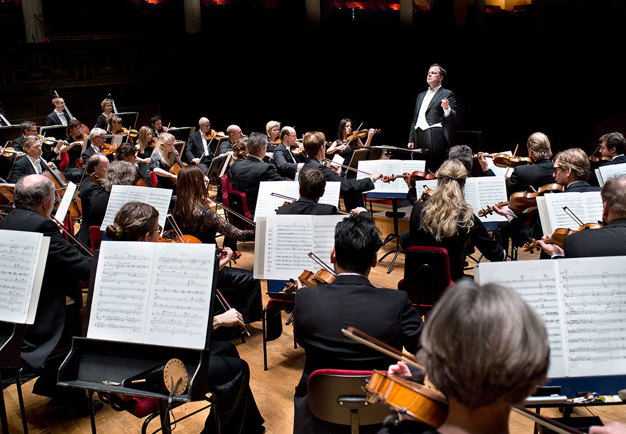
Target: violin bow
x=545, y=421
x=573, y=216
x=369, y=341
x=322, y=263
x=72, y=237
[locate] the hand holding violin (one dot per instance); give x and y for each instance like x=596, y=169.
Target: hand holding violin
x=503, y=210
x=549, y=248
x=482, y=161
x=376, y=176
x=400, y=369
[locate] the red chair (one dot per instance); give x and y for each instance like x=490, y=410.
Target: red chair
x=154, y=180
x=235, y=200
x=95, y=235
x=426, y=276
x=337, y=396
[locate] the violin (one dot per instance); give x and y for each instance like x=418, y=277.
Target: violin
x=504, y=160
x=426, y=194
x=10, y=152
x=412, y=177
x=524, y=202
x=171, y=236
x=558, y=236
x=297, y=149
x=212, y=134
x=359, y=134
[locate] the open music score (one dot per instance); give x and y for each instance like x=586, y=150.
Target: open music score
x=267, y=204
x=610, y=171
x=153, y=293
x=388, y=168
x=586, y=206
x=583, y=303
x=23, y=257
x=282, y=244
x=64, y=206
x=122, y=194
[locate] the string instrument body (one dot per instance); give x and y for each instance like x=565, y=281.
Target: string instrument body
x=504, y=160
x=358, y=135
x=558, y=236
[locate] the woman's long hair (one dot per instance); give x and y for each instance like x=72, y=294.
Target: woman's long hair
x=341, y=130
x=142, y=138
x=159, y=149
x=191, y=192
x=446, y=211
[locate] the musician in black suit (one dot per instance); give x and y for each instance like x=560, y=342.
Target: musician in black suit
x=286, y=162
x=199, y=150
x=60, y=300
x=30, y=163
x=610, y=240
x=59, y=115
x=312, y=186
x=234, y=135
x=29, y=128
x=435, y=109
x=351, y=189
x=539, y=172
x=247, y=174
x=97, y=137
x=94, y=198
x=351, y=300
x=612, y=146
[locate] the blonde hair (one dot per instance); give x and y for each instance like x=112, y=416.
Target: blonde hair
x=270, y=125
x=142, y=139
x=539, y=145
x=159, y=148
x=446, y=211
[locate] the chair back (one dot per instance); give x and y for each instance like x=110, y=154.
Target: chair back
x=154, y=180
x=237, y=201
x=338, y=396
x=426, y=275
x=95, y=236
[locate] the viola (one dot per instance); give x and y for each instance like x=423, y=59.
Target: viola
x=524, y=202
x=414, y=176
x=171, y=236
x=426, y=194
x=359, y=134
x=504, y=160
x=558, y=236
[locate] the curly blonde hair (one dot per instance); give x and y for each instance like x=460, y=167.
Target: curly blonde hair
x=446, y=211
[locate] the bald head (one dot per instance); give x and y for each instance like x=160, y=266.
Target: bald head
x=35, y=193
x=614, y=198
x=204, y=124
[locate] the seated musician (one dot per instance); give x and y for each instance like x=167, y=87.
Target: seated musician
x=128, y=152
x=446, y=220
x=312, y=185
x=97, y=137
x=107, y=109
x=272, y=128
x=612, y=146
x=199, y=150
x=28, y=129
x=94, y=198
x=157, y=126
x=59, y=115
x=229, y=376
x=351, y=300
x=247, y=174
x=486, y=350
x=345, y=148
x=194, y=217
x=351, y=189
x=286, y=162
x=163, y=159
x=539, y=172
x=60, y=299
x=30, y=163
x=75, y=138
x=609, y=240
x=234, y=135
x=114, y=124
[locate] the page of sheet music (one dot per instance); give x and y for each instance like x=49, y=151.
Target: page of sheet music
x=289, y=239
x=19, y=255
x=485, y=191
x=610, y=171
x=122, y=194
x=594, y=300
x=178, y=310
x=536, y=282
x=388, y=168
x=65, y=202
x=586, y=206
x=267, y=204
x=119, y=307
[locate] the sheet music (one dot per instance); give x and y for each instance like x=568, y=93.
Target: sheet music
x=23, y=258
x=610, y=171
x=284, y=242
x=65, y=202
x=498, y=171
x=122, y=194
x=536, y=283
x=157, y=293
x=388, y=168
x=486, y=191
x=588, y=295
x=586, y=206
x=267, y=204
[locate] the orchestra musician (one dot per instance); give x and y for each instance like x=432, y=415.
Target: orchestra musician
x=29, y=128
x=119, y=172
x=272, y=128
x=128, y=152
x=97, y=137
x=94, y=198
x=114, y=124
x=162, y=159
x=107, y=109
x=286, y=162
x=75, y=138
x=351, y=300
x=157, y=126
x=30, y=163
x=486, y=350
x=609, y=240
x=612, y=146
x=344, y=147
x=144, y=149
x=351, y=189
x=194, y=217
x=60, y=299
x=234, y=135
x=59, y=115
x=246, y=175
x=446, y=220
x=198, y=147
x=229, y=376
x=312, y=185
x=539, y=172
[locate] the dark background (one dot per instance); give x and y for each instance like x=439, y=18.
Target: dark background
x=559, y=71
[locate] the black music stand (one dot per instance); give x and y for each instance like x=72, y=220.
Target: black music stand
x=218, y=165
x=395, y=214
x=394, y=152
x=9, y=133
x=11, y=337
x=129, y=118
x=93, y=364
x=360, y=155
x=56, y=131
x=182, y=133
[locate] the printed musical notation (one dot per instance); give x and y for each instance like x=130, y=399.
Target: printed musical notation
x=267, y=204
x=153, y=293
x=388, y=168
x=586, y=206
x=122, y=194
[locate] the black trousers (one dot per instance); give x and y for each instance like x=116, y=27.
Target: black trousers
x=434, y=141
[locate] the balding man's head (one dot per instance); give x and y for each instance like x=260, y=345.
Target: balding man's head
x=614, y=197
x=35, y=193
x=204, y=124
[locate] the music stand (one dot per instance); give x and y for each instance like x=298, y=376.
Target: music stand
x=9, y=133
x=179, y=145
x=360, y=155
x=218, y=165
x=11, y=337
x=394, y=151
x=56, y=131
x=395, y=199
x=129, y=118
x=182, y=133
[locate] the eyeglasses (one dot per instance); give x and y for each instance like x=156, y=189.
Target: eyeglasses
x=557, y=168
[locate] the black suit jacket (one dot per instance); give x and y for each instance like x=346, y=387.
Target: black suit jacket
x=435, y=113
x=65, y=268
x=247, y=175
x=537, y=174
x=18, y=143
x=581, y=187
x=53, y=118
x=609, y=240
x=618, y=160
x=287, y=163
x=195, y=148
x=89, y=151
x=347, y=185
x=94, y=201
x=23, y=167
x=351, y=300
x=307, y=206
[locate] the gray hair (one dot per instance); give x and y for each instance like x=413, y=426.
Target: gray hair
x=270, y=125
x=29, y=141
x=614, y=196
x=97, y=132
x=119, y=173
x=464, y=154
x=32, y=196
x=484, y=344
x=539, y=144
x=255, y=143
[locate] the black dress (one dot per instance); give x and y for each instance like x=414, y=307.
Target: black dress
x=164, y=182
